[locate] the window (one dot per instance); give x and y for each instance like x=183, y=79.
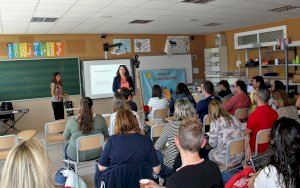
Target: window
x=262, y=37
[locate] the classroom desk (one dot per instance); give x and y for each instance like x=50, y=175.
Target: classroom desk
x=154, y=122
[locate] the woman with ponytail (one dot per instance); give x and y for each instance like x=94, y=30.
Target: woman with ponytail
x=85, y=123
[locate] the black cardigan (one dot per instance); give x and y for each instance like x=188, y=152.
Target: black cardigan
x=117, y=84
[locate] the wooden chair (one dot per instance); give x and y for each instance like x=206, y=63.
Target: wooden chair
x=7, y=142
x=206, y=120
x=262, y=137
x=86, y=143
x=156, y=131
x=107, y=119
x=242, y=114
x=54, y=132
x=26, y=135
x=235, y=147
x=142, y=117
x=161, y=114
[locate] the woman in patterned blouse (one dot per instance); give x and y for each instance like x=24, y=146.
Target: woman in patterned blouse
x=223, y=129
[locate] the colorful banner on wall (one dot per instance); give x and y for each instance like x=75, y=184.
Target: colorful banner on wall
x=36, y=49
x=166, y=78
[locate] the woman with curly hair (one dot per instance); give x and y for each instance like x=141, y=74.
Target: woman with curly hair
x=283, y=170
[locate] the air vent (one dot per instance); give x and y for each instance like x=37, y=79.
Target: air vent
x=198, y=1
x=43, y=19
x=141, y=21
x=212, y=24
x=284, y=8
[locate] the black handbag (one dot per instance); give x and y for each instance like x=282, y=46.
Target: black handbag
x=4, y=107
x=69, y=104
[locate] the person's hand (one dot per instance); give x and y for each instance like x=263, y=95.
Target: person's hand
x=152, y=184
x=252, y=179
x=119, y=90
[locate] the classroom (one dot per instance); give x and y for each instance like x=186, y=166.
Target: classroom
x=236, y=61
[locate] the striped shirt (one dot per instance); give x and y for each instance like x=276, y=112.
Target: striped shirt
x=170, y=130
x=156, y=103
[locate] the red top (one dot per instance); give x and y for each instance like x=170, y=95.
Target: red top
x=124, y=83
x=262, y=118
x=238, y=101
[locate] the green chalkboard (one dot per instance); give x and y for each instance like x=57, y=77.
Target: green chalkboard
x=28, y=79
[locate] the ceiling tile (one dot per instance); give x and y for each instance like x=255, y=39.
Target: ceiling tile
x=158, y=4
x=118, y=10
x=52, y=7
x=128, y=3
x=48, y=14
x=86, y=8
x=66, y=2
x=94, y=2
x=17, y=6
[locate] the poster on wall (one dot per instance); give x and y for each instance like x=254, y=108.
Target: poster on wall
x=179, y=44
x=124, y=48
x=166, y=78
x=36, y=49
x=142, y=45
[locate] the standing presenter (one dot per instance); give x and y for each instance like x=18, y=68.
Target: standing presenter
x=122, y=79
x=58, y=95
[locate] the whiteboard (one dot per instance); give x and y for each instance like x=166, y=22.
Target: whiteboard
x=183, y=61
x=98, y=76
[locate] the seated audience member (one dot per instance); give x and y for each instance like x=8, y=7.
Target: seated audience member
x=284, y=105
x=85, y=123
x=128, y=96
x=283, y=170
x=262, y=118
x=183, y=109
x=224, y=89
x=119, y=102
x=202, y=106
x=224, y=128
x=277, y=86
x=257, y=83
x=27, y=166
x=128, y=156
x=157, y=102
x=182, y=91
x=240, y=98
x=195, y=171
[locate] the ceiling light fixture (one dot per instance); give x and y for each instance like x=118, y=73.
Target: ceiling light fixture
x=284, y=8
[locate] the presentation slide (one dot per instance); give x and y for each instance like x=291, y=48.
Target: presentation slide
x=99, y=77
x=102, y=77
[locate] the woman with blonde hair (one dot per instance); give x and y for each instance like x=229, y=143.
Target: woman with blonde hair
x=27, y=166
x=183, y=109
x=224, y=128
x=128, y=156
x=285, y=106
x=119, y=103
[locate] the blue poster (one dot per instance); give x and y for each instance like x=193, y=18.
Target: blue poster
x=166, y=78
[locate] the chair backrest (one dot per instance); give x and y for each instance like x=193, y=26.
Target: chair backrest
x=90, y=142
x=262, y=137
x=7, y=142
x=206, y=120
x=242, y=113
x=55, y=127
x=107, y=119
x=161, y=114
x=236, y=147
x=141, y=116
x=156, y=131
